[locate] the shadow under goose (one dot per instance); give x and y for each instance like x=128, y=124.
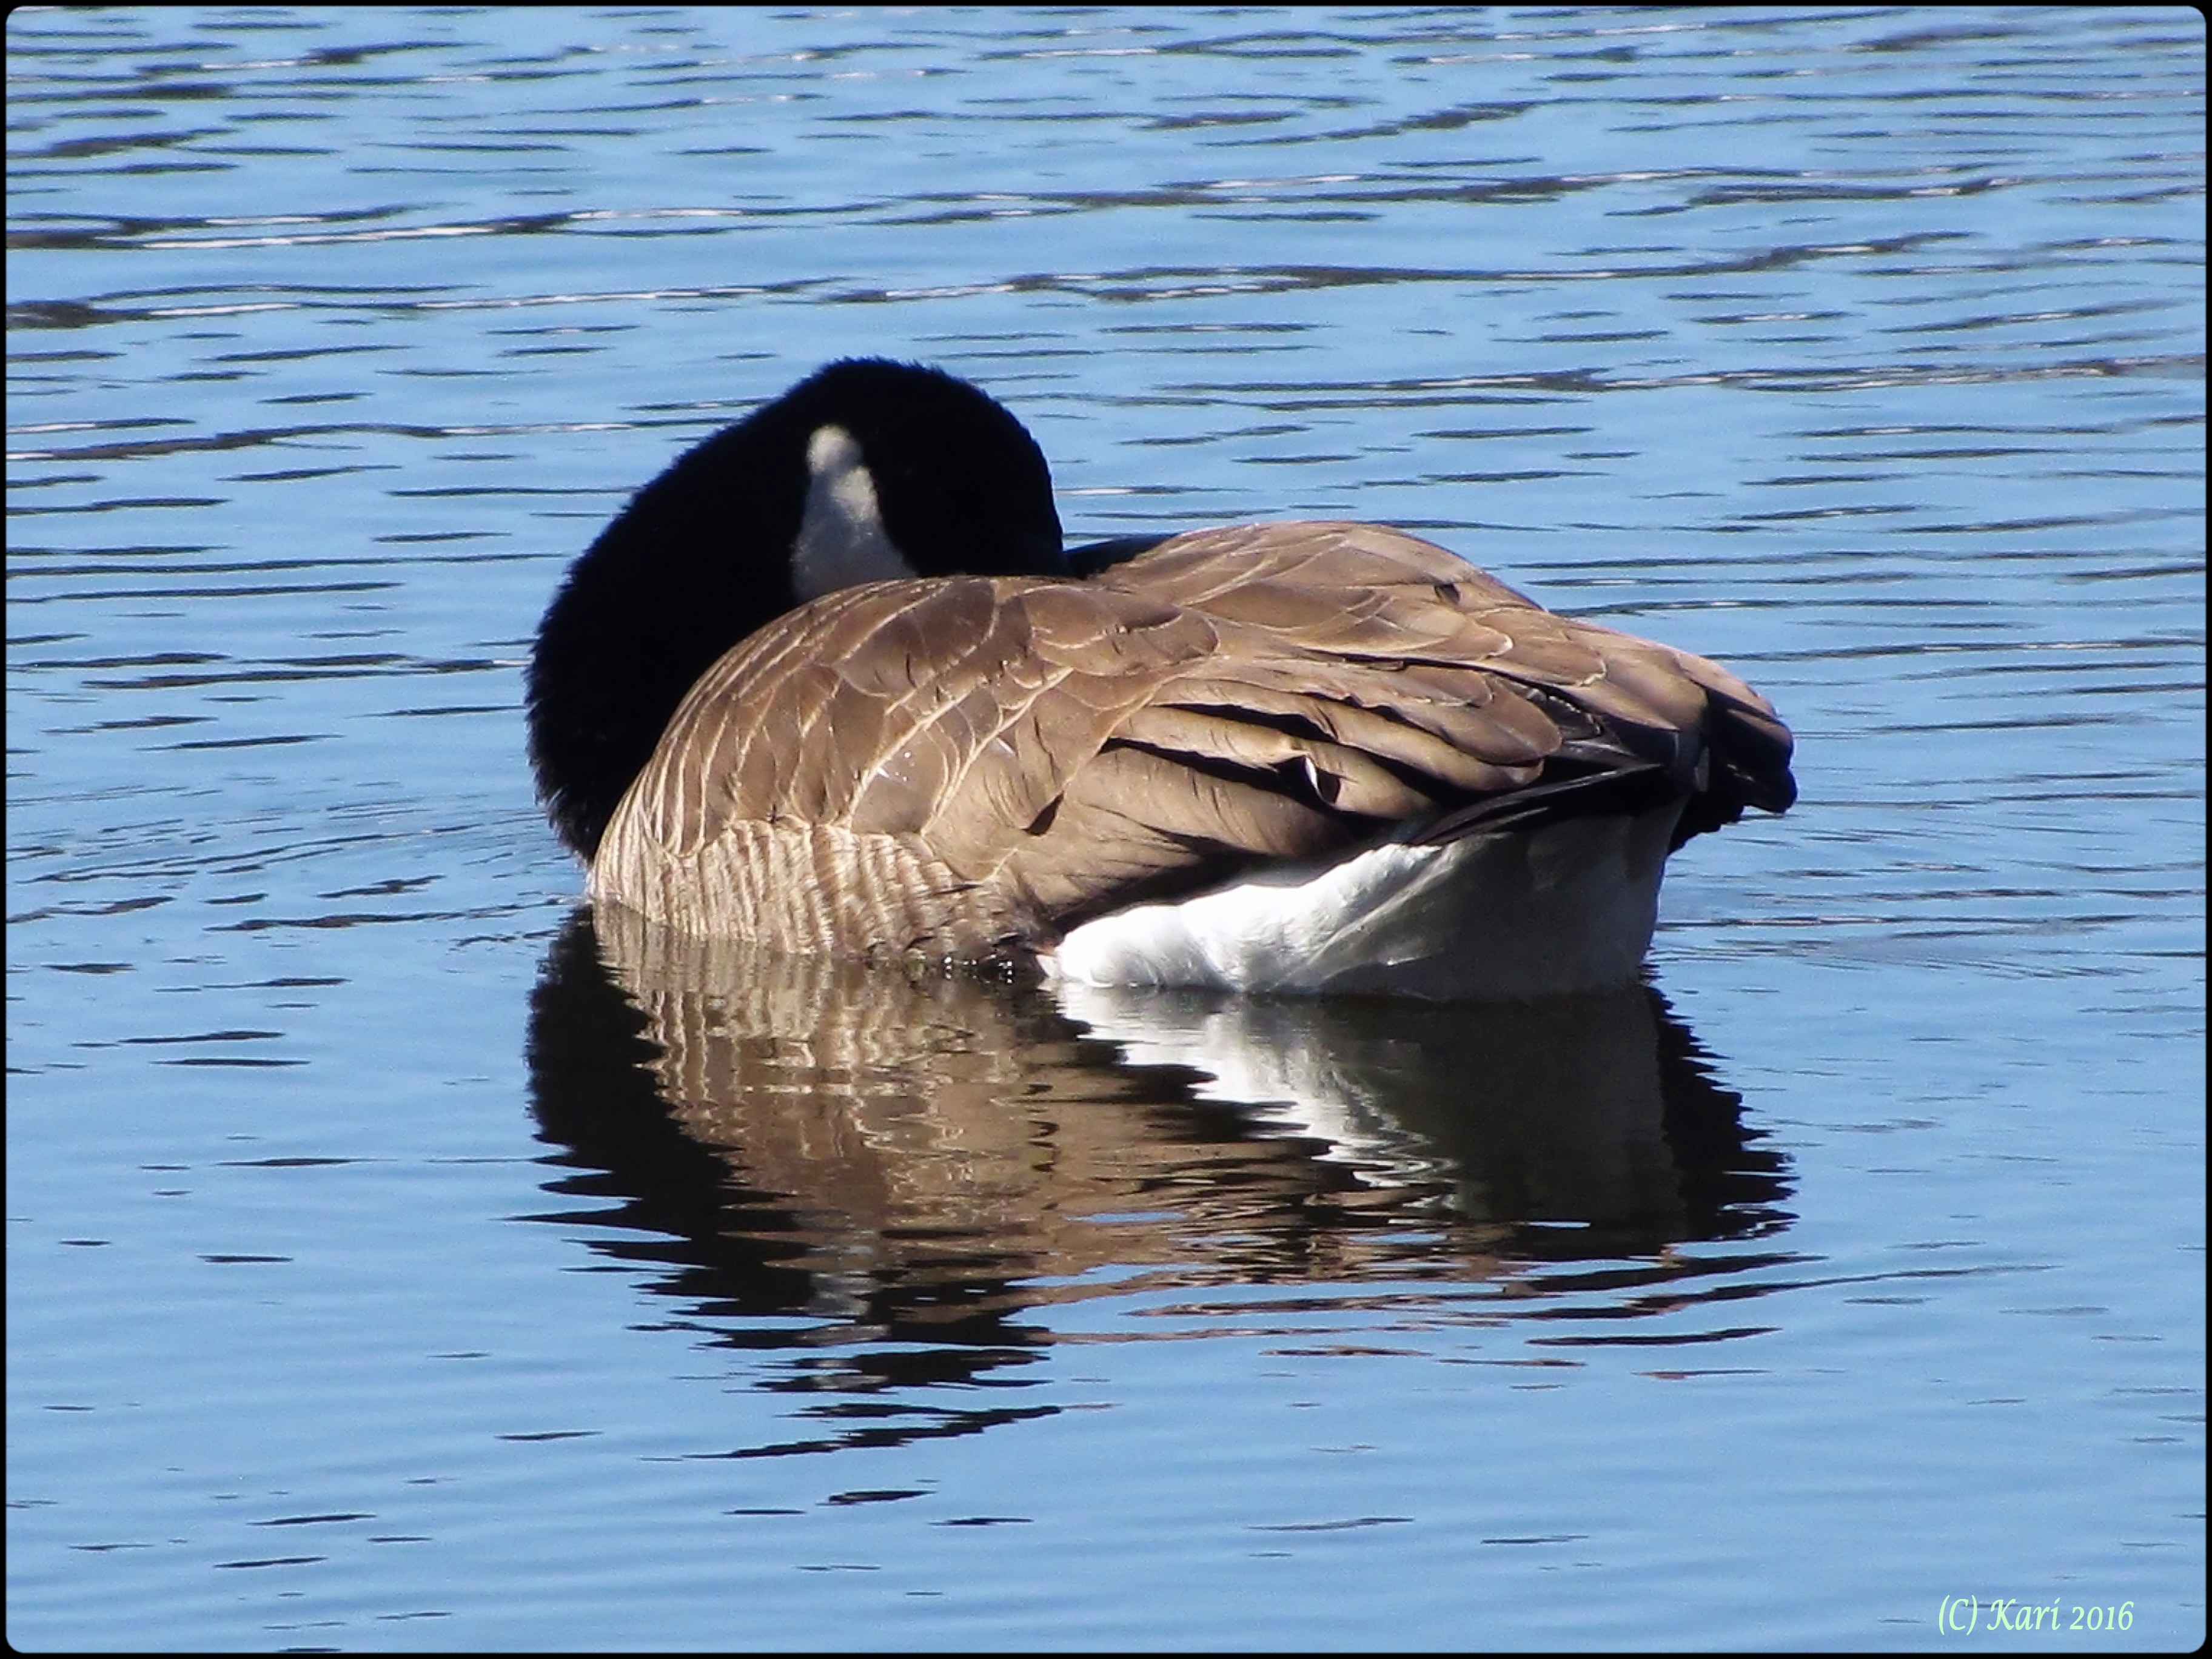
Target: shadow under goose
x=929, y=1158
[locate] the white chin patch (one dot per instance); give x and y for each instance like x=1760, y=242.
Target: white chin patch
x=842, y=540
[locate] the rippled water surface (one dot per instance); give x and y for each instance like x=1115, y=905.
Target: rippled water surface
x=396, y=1261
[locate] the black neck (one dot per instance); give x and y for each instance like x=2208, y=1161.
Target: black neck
x=691, y=566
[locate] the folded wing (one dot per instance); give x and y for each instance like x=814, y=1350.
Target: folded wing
x=966, y=766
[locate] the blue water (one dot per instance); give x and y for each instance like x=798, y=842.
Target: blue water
x=395, y=1263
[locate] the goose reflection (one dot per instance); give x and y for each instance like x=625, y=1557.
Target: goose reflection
x=904, y=1167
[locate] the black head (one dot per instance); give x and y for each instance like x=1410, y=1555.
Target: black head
x=865, y=469
x=962, y=487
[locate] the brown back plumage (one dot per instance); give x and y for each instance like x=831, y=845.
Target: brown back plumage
x=968, y=766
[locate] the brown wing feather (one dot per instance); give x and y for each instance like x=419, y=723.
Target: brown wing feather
x=915, y=731
x=1021, y=753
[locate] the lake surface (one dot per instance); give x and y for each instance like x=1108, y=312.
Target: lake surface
x=396, y=1261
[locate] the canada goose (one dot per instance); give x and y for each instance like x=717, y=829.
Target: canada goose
x=830, y=684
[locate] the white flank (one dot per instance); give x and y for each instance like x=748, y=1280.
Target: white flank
x=1515, y=913
x=842, y=540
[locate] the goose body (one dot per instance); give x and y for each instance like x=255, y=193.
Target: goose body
x=831, y=685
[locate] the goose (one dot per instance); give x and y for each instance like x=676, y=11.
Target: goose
x=833, y=684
